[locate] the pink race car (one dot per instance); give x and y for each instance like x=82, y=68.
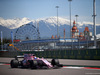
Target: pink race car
x=31, y=61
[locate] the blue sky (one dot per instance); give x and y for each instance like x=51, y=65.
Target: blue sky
x=35, y=9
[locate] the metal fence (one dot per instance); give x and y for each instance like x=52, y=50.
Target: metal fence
x=50, y=44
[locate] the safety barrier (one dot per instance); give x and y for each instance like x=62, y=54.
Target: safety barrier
x=89, y=54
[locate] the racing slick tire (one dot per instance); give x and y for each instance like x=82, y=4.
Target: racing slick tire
x=55, y=62
x=34, y=64
x=14, y=63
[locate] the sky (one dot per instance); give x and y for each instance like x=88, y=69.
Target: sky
x=34, y=9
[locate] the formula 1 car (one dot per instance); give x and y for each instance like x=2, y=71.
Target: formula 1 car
x=31, y=61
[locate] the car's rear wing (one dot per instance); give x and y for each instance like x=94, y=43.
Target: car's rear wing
x=16, y=57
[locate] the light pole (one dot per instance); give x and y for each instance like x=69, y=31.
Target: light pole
x=2, y=40
x=70, y=22
x=12, y=39
x=38, y=34
x=94, y=15
x=70, y=16
x=57, y=22
x=77, y=27
x=76, y=19
x=38, y=30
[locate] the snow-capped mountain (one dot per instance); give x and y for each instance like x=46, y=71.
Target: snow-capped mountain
x=47, y=26
x=17, y=22
x=14, y=23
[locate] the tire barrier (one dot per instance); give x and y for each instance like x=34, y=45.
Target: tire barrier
x=88, y=54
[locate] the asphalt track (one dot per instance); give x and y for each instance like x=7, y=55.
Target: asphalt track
x=72, y=67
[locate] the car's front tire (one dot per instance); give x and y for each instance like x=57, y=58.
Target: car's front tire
x=55, y=62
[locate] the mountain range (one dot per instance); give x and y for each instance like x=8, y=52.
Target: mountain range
x=47, y=26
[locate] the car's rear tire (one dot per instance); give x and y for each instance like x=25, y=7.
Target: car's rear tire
x=34, y=64
x=55, y=62
x=14, y=63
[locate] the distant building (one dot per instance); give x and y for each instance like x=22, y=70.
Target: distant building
x=52, y=37
x=75, y=31
x=86, y=35
x=56, y=37
x=81, y=36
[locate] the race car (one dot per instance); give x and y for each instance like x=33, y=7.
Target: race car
x=33, y=62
